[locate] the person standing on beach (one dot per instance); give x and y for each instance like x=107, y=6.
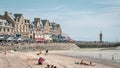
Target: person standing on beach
x=112, y=57
x=46, y=52
x=40, y=51
x=5, y=50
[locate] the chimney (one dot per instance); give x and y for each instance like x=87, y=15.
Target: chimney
x=6, y=12
x=37, y=19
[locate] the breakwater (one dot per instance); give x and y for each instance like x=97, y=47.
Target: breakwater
x=95, y=45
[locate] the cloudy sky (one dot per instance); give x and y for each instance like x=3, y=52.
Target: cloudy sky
x=82, y=20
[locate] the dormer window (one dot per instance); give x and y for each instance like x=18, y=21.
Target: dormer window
x=0, y=29
x=5, y=23
x=4, y=29
x=8, y=30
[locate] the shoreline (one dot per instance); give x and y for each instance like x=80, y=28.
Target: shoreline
x=104, y=61
x=53, y=53
x=99, y=61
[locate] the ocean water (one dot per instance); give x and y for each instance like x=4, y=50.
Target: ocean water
x=113, y=55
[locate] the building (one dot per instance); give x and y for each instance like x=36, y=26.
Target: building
x=18, y=23
x=56, y=31
x=38, y=30
x=6, y=27
x=21, y=26
x=41, y=30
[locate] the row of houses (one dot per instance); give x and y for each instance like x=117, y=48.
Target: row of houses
x=37, y=30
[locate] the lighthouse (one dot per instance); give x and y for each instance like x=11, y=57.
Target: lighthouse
x=101, y=37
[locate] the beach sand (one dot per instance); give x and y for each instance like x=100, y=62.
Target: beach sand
x=30, y=60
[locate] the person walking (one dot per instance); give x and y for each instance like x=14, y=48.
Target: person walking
x=40, y=51
x=5, y=51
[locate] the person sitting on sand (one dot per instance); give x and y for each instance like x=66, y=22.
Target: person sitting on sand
x=55, y=67
x=91, y=64
x=52, y=66
x=48, y=66
x=81, y=62
x=41, y=60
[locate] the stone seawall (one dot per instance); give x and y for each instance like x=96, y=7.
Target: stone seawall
x=95, y=45
x=38, y=46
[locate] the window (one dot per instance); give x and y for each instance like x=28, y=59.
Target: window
x=31, y=32
x=0, y=23
x=8, y=30
x=31, y=36
x=4, y=29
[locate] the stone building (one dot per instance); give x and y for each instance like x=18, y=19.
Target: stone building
x=21, y=25
x=40, y=30
x=56, y=31
x=43, y=30
x=36, y=30
x=15, y=24
x=46, y=26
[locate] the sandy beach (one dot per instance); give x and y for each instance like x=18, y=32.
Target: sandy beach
x=61, y=59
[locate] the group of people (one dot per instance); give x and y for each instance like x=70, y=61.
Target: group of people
x=41, y=60
x=51, y=66
x=41, y=52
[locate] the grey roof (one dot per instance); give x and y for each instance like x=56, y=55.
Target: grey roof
x=5, y=23
x=11, y=16
x=17, y=15
x=32, y=25
x=34, y=22
x=57, y=25
x=27, y=21
x=43, y=22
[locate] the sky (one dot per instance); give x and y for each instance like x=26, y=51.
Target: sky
x=82, y=20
